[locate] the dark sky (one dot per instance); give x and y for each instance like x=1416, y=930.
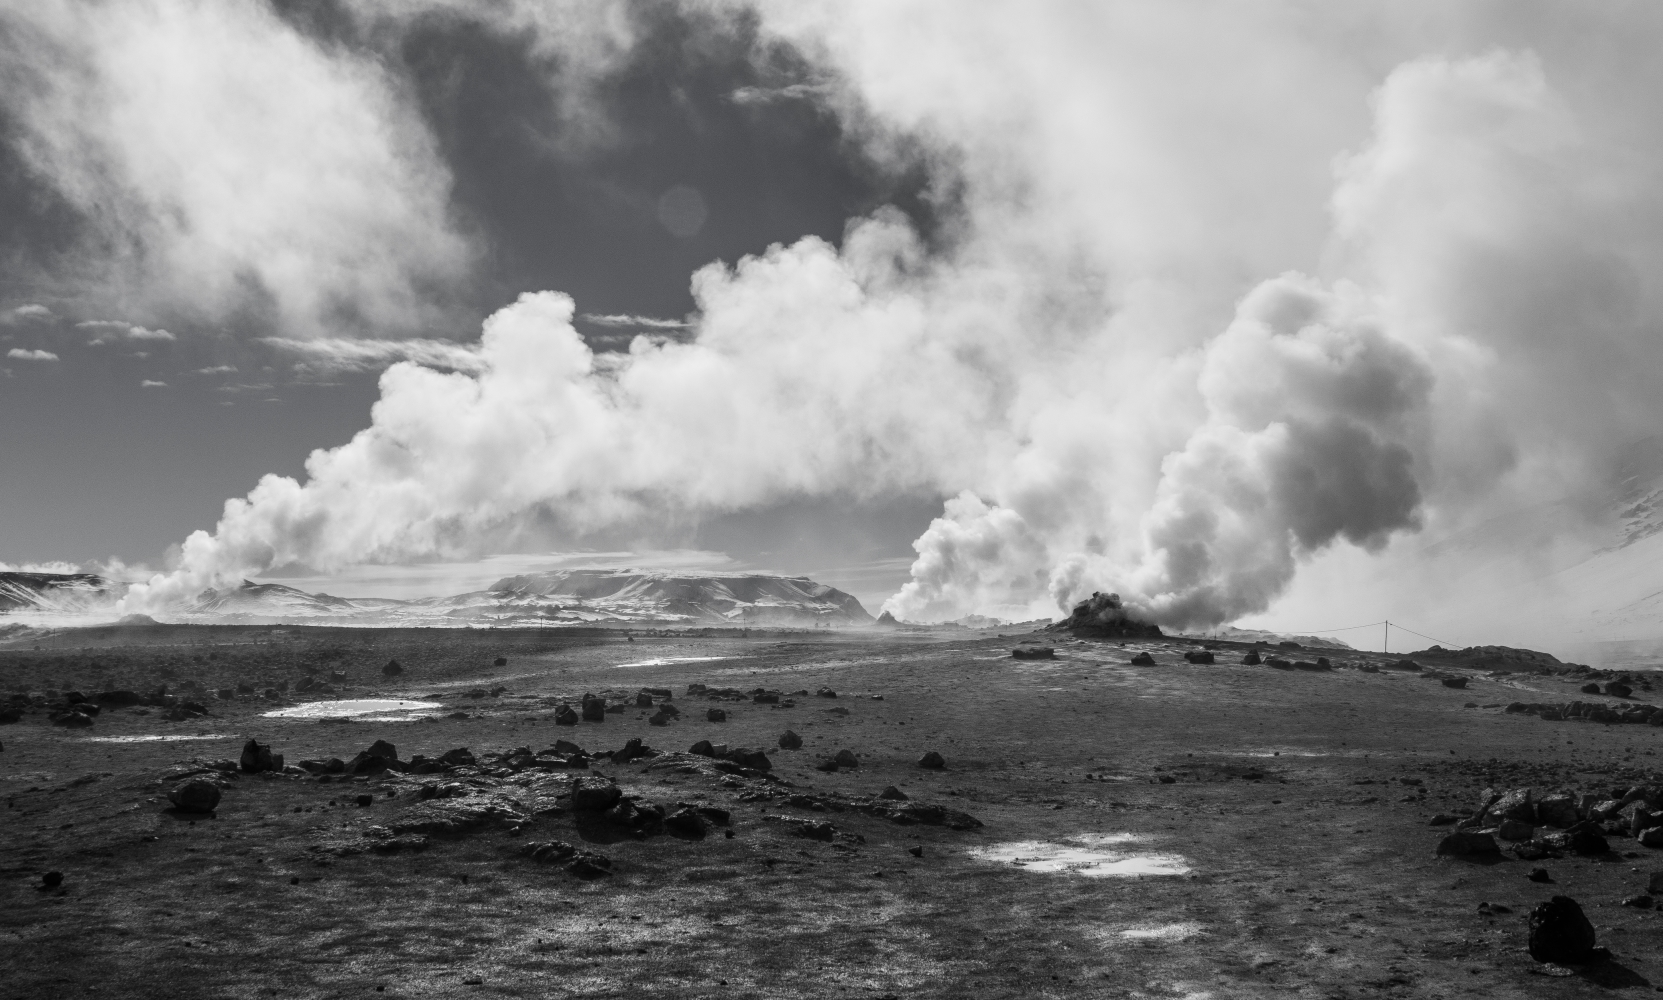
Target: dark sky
x=97, y=463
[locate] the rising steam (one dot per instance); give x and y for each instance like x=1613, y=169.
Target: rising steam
x=1068, y=370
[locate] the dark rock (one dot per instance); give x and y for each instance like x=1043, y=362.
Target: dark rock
x=1560, y=933
x=1104, y=616
x=766, y=698
x=501, y=661
x=716, y=715
x=365, y=799
x=916, y=852
x=685, y=821
x=459, y=757
x=847, y=758
x=1556, y=810
x=892, y=793
x=10, y=715
x=1516, y=804
x=643, y=699
x=381, y=748
x=932, y=760
x=716, y=815
x=589, y=865
x=752, y=758
x=564, y=716
x=1252, y=658
x=593, y=793
x=1640, y=902
x=1455, y=682
x=790, y=741
x=1199, y=656
x=1652, y=837
x=1443, y=819
x=632, y=750
x=120, y=699
x=1586, y=838
x=1654, y=884
x=829, y=765
x=392, y=669
x=703, y=748
x=51, y=880
x=257, y=757
x=1143, y=660
x=594, y=709
x=826, y=693
x=1617, y=689
x=1539, y=875
x=1463, y=843
x=1034, y=653
x=1589, y=689
x=660, y=719
x=194, y=795
x=72, y=720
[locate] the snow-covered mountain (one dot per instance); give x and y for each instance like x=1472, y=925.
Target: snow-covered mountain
x=571, y=597
x=66, y=593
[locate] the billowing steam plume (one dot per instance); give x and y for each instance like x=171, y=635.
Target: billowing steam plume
x=1068, y=370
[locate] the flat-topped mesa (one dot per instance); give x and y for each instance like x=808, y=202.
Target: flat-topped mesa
x=1103, y=616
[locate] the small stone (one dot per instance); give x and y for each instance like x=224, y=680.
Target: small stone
x=1539, y=875
x=686, y=821
x=716, y=715
x=593, y=792
x=565, y=716
x=1252, y=658
x=643, y=700
x=1560, y=932
x=790, y=741
x=703, y=748
x=847, y=758
x=892, y=793
x=594, y=709
x=932, y=761
x=1143, y=660
x=194, y=796
x=51, y=880
x=826, y=693
x=1455, y=682
x=1652, y=837
x=392, y=669
x=501, y=661
x=364, y=800
x=1589, y=689
x=1443, y=819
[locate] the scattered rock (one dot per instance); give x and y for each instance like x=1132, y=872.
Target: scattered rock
x=1617, y=689
x=594, y=709
x=1539, y=875
x=643, y=700
x=790, y=741
x=1455, y=682
x=501, y=661
x=826, y=693
x=1034, y=653
x=257, y=757
x=1143, y=660
x=194, y=795
x=1560, y=933
x=392, y=669
x=686, y=821
x=892, y=792
x=1589, y=689
x=1463, y=843
x=704, y=748
x=715, y=715
x=847, y=758
x=565, y=716
x=1199, y=656
x=593, y=793
x=916, y=852
x=932, y=761
x=1252, y=658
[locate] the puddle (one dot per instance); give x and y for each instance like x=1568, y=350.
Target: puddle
x=665, y=661
x=1162, y=932
x=160, y=738
x=1096, y=855
x=369, y=709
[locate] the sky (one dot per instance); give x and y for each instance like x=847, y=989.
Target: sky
x=1293, y=314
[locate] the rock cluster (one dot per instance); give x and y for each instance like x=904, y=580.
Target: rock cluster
x=1561, y=823
x=1588, y=711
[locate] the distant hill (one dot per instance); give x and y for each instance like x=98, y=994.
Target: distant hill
x=65, y=592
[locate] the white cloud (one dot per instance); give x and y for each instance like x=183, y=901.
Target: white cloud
x=25, y=355
x=230, y=152
x=26, y=313
x=339, y=354
x=109, y=330
x=217, y=370
x=153, y=384
x=625, y=320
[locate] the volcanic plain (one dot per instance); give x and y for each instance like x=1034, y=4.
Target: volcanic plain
x=1099, y=828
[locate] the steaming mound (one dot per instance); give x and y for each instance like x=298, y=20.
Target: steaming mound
x=271, y=603
x=1103, y=616
x=53, y=591
x=727, y=600
x=1491, y=658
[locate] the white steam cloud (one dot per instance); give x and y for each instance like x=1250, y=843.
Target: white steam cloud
x=1185, y=338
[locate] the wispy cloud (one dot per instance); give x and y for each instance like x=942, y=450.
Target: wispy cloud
x=26, y=313
x=106, y=330
x=341, y=354
x=23, y=355
x=153, y=384
x=625, y=320
x=768, y=95
x=217, y=370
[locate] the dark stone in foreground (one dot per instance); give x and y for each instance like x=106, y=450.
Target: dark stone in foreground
x=593, y=792
x=51, y=880
x=1560, y=933
x=790, y=741
x=194, y=796
x=1143, y=660
x=257, y=757
x=392, y=669
x=933, y=761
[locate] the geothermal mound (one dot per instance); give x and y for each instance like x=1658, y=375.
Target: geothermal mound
x=1103, y=616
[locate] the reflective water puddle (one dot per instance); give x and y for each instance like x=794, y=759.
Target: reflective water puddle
x=160, y=738
x=667, y=660
x=1096, y=855
x=368, y=709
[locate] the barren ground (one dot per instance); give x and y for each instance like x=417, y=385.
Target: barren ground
x=1307, y=865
